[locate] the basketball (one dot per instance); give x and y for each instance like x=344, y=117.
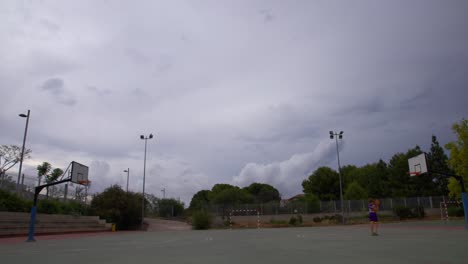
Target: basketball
x=377, y=204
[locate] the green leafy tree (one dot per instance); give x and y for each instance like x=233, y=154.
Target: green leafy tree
x=200, y=200
x=458, y=160
x=170, y=208
x=43, y=170
x=400, y=183
x=119, y=207
x=354, y=191
x=263, y=193
x=309, y=203
x=52, y=177
x=438, y=162
x=324, y=183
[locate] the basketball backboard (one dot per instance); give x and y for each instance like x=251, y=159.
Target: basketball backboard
x=417, y=165
x=79, y=173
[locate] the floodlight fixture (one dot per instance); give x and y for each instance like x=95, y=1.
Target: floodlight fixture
x=22, y=151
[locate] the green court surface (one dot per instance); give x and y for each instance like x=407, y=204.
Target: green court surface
x=414, y=242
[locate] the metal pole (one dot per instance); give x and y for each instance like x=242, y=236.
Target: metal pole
x=22, y=183
x=128, y=176
x=22, y=152
x=339, y=173
x=143, y=200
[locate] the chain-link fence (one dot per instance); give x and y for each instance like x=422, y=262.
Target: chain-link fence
x=328, y=207
x=27, y=184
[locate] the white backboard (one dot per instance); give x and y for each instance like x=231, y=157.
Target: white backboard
x=417, y=165
x=79, y=173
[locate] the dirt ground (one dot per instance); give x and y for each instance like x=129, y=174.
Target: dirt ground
x=166, y=225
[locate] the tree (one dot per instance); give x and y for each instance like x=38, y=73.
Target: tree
x=170, y=208
x=119, y=207
x=263, y=193
x=43, y=170
x=324, y=183
x=354, y=191
x=200, y=200
x=400, y=182
x=10, y=156
x=438, y=162
x=458, y=160
x=50, y=178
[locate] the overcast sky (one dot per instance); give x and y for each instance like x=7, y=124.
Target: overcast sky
x=234, y=91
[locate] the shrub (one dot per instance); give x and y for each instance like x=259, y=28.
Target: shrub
x=201, y=220
x=317, y=219
x=13, y=203
x=455, y=211
x=278, y=222
x=402, y=212
x=418, y=211
x=338, y=218
x=293, y=221
x=49, y=207
x=119, y=207
x=299, y=219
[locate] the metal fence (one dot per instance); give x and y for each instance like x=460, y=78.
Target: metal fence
x=27, y=185
x=330, y=207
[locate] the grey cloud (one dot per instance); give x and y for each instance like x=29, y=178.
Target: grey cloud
x=226, y=84
x=286, y=175
x=51, y=26
x=267, y=15
x=99, y=92
x=56, y=87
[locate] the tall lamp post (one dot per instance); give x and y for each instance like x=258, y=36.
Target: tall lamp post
x=337, y=136
x=128, y=176
x=22, y=151
x=144, y=176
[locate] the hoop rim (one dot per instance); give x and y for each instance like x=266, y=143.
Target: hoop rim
x=84, y=182
x=414, y=173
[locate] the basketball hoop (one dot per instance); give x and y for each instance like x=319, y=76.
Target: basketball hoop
x=84, y=182
x=414, y=173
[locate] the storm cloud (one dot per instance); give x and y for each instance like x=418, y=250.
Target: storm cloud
x=234, y=91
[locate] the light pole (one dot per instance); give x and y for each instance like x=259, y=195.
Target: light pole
x=164, y=193
x=22, y=151
x=128, y=176
x=144, y=176
x=339, y=136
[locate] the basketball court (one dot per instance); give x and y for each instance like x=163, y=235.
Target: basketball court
x=412, y=242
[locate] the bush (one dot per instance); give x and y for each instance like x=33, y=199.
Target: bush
x=201, y=220
x=13, y=203
x=418, y=212
x=338, y=218
x=48, y=207
x=299, y=219
x=293, y=221
x=278, y=222
x=455, y=211
x=402, y=212
x=119, y=207
x=317, y=219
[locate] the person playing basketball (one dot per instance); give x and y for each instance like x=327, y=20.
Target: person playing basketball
x=374, y=221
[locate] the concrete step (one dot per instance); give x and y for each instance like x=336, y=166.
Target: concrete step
x=13, y=232
x=12, y=224
x=50, y=225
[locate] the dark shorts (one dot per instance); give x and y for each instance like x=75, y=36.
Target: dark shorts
x=373, y=217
